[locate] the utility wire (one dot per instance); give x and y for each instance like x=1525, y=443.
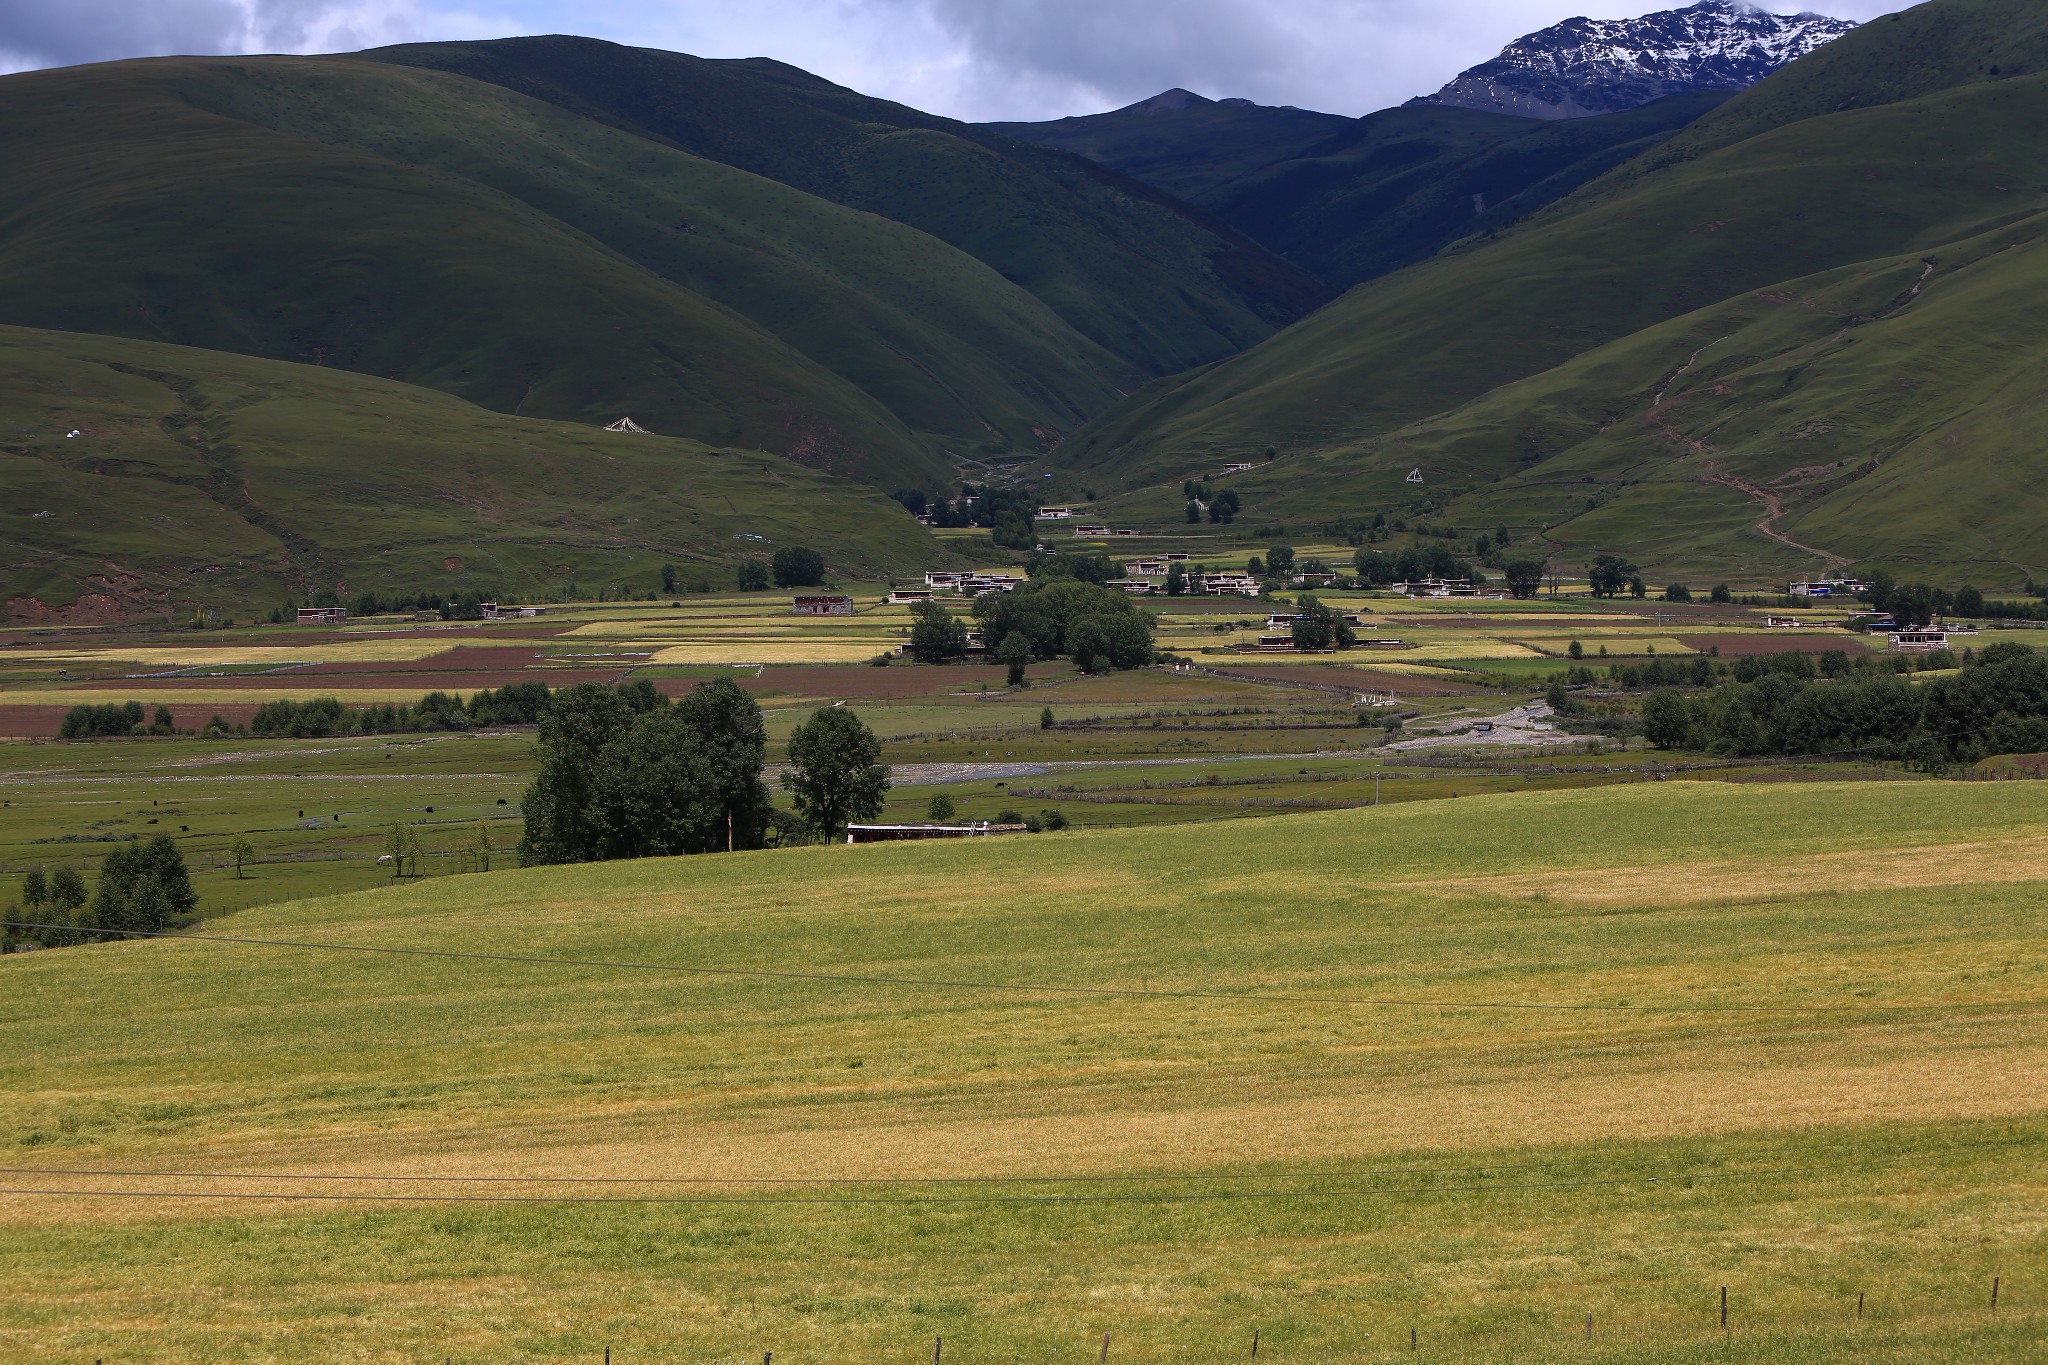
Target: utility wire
x=1022, y=988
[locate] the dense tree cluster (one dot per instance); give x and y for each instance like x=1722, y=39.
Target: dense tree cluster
x=1997, y=703
x=796, y=567
x=522, y=703
x=1317, y=627
x=143, y=888
x=1410, y=564
x=619, y=780
x=1099, y=628
x=113, y=721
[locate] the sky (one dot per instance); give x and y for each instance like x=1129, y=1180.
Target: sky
x=970, y=59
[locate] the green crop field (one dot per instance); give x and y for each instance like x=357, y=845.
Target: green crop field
x=1483, y=1070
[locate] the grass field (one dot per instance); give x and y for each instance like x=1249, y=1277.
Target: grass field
x=1177, y=1162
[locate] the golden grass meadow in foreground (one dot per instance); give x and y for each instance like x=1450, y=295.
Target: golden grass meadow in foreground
x=1304, y=1111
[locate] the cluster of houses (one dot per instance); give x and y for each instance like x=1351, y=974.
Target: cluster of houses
x=1446, y=587
x=969, y=584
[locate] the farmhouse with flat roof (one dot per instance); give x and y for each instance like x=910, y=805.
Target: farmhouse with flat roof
x=822, y=604
x=325, y=616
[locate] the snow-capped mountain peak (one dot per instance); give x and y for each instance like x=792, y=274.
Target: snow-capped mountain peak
x=1599, y=66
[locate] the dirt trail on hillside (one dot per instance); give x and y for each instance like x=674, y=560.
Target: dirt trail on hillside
x=1774, y=508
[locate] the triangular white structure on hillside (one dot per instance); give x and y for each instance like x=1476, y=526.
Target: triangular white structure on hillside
x=627, y=424
x=1415, y=474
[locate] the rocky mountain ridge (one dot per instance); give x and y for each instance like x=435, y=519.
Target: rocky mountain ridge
x=1586, y=66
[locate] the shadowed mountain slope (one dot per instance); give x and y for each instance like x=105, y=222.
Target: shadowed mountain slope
x=1134, y=270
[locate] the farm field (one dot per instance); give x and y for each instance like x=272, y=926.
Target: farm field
x=1225, y=735
x=1272, y=1084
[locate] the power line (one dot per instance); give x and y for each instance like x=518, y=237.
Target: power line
x=1022, y=988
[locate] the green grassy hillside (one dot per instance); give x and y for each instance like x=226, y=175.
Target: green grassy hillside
x=1489, y=363
x=452, y=233
x=1133, y=270
x=1176, y=1167
x=205, y=478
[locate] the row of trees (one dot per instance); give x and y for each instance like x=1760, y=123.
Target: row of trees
x=616, y=782
x=792, y=566
x=1997, y=703
x=143, y=888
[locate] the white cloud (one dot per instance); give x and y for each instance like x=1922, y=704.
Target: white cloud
x=975, y=59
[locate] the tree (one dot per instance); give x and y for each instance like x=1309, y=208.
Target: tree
x=577, y=728
x=726, y=723
x=162, y=723
x=1524, y=576
x=1969, y=601
x=1610, y=575
x=1280, y=561
x=395, y=848
x=243, y=852
x=1576, y=650
x=1317, y=627
x=482, y=847
x=1194, y=512
x=1176, y=580
x=1100, y=643
x=1637, y=588
x=797, y=567
x=1678, y=592
x=940, y=807
x=1045, y=719
x=751, y=575
x=1014, y=654
x=936, y=635
x=668, y=578
x=1667, y=719
x=1556, y=698
x=144, y=888
x=834, y=774
x=35, y=888
x=1721, y=594
x=67, y=889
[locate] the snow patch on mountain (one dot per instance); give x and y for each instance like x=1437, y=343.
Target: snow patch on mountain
x=1601, y=66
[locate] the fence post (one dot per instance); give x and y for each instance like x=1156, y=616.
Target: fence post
x=1255, y=1343
x=1412, y=1344
x=1589, y=1326
x=1724, y=1307
x=1105, y=1349
x=1859, y=1305
x=937, y=1344
x=1994, y=1293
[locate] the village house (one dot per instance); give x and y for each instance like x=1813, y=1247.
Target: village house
x=326, y=616
x=1828, y=587
x=1055, y=514
x=822, y=604
x=903, y=597
x=1919, y=641
x=1146, y=568
x=1239, y=466
x=1081, y=530
x=1315, y=580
